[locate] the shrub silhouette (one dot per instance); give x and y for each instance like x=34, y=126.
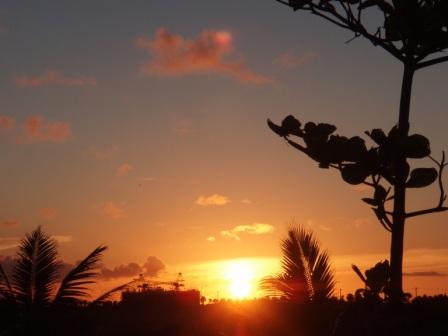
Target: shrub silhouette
x=414, y=32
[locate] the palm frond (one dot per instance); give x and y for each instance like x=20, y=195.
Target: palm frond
x=74, y=285
x=36, y=271
x=307, y=273
x=105, y=296
x=359, y=273
x=281, y=286
x=6, y=291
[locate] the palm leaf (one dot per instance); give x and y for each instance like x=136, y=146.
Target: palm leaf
x=281, y=286
x=105, y=296
x=307, y=273
x=74, y=285
x=36, y=271
x=359, y=273
x=6, y=290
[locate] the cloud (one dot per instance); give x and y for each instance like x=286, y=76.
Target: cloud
x=246, y=201
x=174, y=55
x=47, y=213
x=425, y=274
x=113, y=210
x=102, y=153
x=152, y=267
x=12, y=242
x=253, y=229
x=122, y=271
x=36, y=129
x=53, y=78
x=124, y=169
x=9, y=242
x=6, y=122
x=9, y=223
x=214, y=199
x=211, y=239
x=182, y=127
x=289, y=61
x=63, y=239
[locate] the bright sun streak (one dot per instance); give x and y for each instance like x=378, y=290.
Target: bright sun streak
x=241, y=276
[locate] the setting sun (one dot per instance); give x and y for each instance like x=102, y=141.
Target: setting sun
x=241, y=275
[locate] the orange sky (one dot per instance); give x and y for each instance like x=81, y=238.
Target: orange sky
x=144, y=129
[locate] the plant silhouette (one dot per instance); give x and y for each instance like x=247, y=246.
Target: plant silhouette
x=36, y=274
x=307, y=274
x=376, y=280
x=414, y=32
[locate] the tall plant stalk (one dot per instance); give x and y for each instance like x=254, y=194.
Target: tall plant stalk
x=399, y=207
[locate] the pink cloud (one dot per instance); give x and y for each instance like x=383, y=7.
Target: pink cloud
x=6, y=122
x=47, y=213
x=288, y=60
x=9, y=223
x=36, y=129
x=53, y=78
x=175, y=55
x=106, y=153
x=124, y=169
x=182, y=127
x=113, y=210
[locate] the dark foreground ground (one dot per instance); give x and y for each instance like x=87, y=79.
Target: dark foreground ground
x=423, y=316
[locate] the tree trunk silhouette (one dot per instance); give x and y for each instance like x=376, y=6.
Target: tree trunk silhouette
x=399, y=213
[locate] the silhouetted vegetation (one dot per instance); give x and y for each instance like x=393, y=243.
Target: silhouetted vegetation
x=414, y=32
x=38, y=302
x=307, y=273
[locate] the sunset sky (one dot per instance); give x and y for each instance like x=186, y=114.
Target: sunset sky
x=141, y=125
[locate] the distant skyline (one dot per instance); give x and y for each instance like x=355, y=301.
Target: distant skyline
x=142, y=126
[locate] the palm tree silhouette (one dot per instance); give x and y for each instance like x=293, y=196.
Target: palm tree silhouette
x=36, y=274
x=306, y=271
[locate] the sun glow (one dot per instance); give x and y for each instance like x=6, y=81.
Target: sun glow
x=240, y=274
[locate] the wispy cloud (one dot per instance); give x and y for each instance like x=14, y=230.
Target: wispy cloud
x=36, y=129
x=246, y=201
x=173, y=55
x=105, y=153
x=211, y=239
x=9, y=223
x=6, y=122
x=182, y=127
x=124, y=169
x=425, y=274
x=53, y=78
x=289, y=61
x=11, y=242
x=113, y=210
x=214, y=199
x=252, y=229
x=47, y=213
x=63, y=239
